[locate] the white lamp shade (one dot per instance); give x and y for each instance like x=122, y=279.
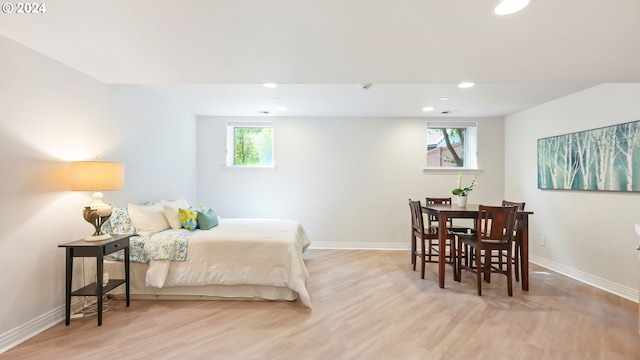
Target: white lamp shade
x=96, y=176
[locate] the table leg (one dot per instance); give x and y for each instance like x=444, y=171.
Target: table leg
x=69, y=274
x=524, y=257
x=99, y=269
x=126, y=271
x=442, y=246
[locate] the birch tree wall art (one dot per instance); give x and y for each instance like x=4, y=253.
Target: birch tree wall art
x=605, y=159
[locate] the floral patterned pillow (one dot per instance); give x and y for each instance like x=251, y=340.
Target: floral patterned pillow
x=106, y=227
x=188, y=218
x=121, y=222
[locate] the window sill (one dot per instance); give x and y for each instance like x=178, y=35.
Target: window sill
x=452, y=171
x=244, y=168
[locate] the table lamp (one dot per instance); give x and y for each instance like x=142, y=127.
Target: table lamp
x=96, y=176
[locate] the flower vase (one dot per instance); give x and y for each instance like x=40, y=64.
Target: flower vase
x=461, y=200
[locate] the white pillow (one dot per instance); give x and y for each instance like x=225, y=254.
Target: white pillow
x=170, y=209
x=147, y=220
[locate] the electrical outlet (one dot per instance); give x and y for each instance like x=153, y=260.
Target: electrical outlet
x=543, y=241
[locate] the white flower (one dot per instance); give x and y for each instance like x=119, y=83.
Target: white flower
x=460, y=191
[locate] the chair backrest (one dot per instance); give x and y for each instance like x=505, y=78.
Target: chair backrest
x=519, y=205
x=438, y=201
x=417, y=222
x=496, y=223
x=433, y=200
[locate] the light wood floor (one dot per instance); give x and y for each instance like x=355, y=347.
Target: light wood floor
x=367, y=305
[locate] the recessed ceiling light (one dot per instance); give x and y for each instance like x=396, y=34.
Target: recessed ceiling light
x=466, y=85
x=281, y=108
x=270, y=85
x=428, y=108
x=445, y=98
x=507, y=7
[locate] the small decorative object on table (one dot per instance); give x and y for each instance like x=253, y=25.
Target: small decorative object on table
x=461, y=193
x=97, y=217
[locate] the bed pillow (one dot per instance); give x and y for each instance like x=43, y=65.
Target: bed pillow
x=147, y=220
x=188, y=218
x=170, y=210
x=106, y=227
x=120, y=221
x=207, y=219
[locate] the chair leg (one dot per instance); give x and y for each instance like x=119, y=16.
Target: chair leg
x=468, y=255
x=455, y=248
x=509, y=279
x=479, y=271
x=458, y=258
x=516, y=259
x=487, y=261
x=423, y=258
x=413, y=251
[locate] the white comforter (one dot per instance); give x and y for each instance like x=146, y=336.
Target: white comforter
x=240, y=251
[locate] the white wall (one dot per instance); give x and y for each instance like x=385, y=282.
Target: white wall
x=50, y=115
x=347, y=180
x=589, y=234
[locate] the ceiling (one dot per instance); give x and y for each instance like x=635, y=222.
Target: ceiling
x=212, y=56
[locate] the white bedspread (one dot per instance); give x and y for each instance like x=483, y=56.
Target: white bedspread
x=240, y=251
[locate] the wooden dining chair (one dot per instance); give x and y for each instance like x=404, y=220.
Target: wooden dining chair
x=429, y=245
x=517, y=242
x=494, y=232
x=432, y=221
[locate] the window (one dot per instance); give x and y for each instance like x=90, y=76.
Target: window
x=250, y=144
x=451, y=145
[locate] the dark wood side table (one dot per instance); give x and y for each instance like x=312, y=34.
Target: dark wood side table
x=97, y=249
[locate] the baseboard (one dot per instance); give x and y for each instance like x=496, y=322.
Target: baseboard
x=30, y=329
x=600, y=283
x=26, y=331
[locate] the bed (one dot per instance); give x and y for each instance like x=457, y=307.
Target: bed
x=237, y=259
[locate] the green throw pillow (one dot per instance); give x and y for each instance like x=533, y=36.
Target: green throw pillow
x=188, y=218
x=207, y=219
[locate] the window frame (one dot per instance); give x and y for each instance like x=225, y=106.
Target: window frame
x=231, y=143
x=470, y=146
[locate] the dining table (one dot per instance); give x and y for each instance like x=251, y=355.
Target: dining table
x=444, y=212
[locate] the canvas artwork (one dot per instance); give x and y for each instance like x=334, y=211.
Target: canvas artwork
x=606, y=159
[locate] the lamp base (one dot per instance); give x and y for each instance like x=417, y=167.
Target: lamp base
x=97, y=237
